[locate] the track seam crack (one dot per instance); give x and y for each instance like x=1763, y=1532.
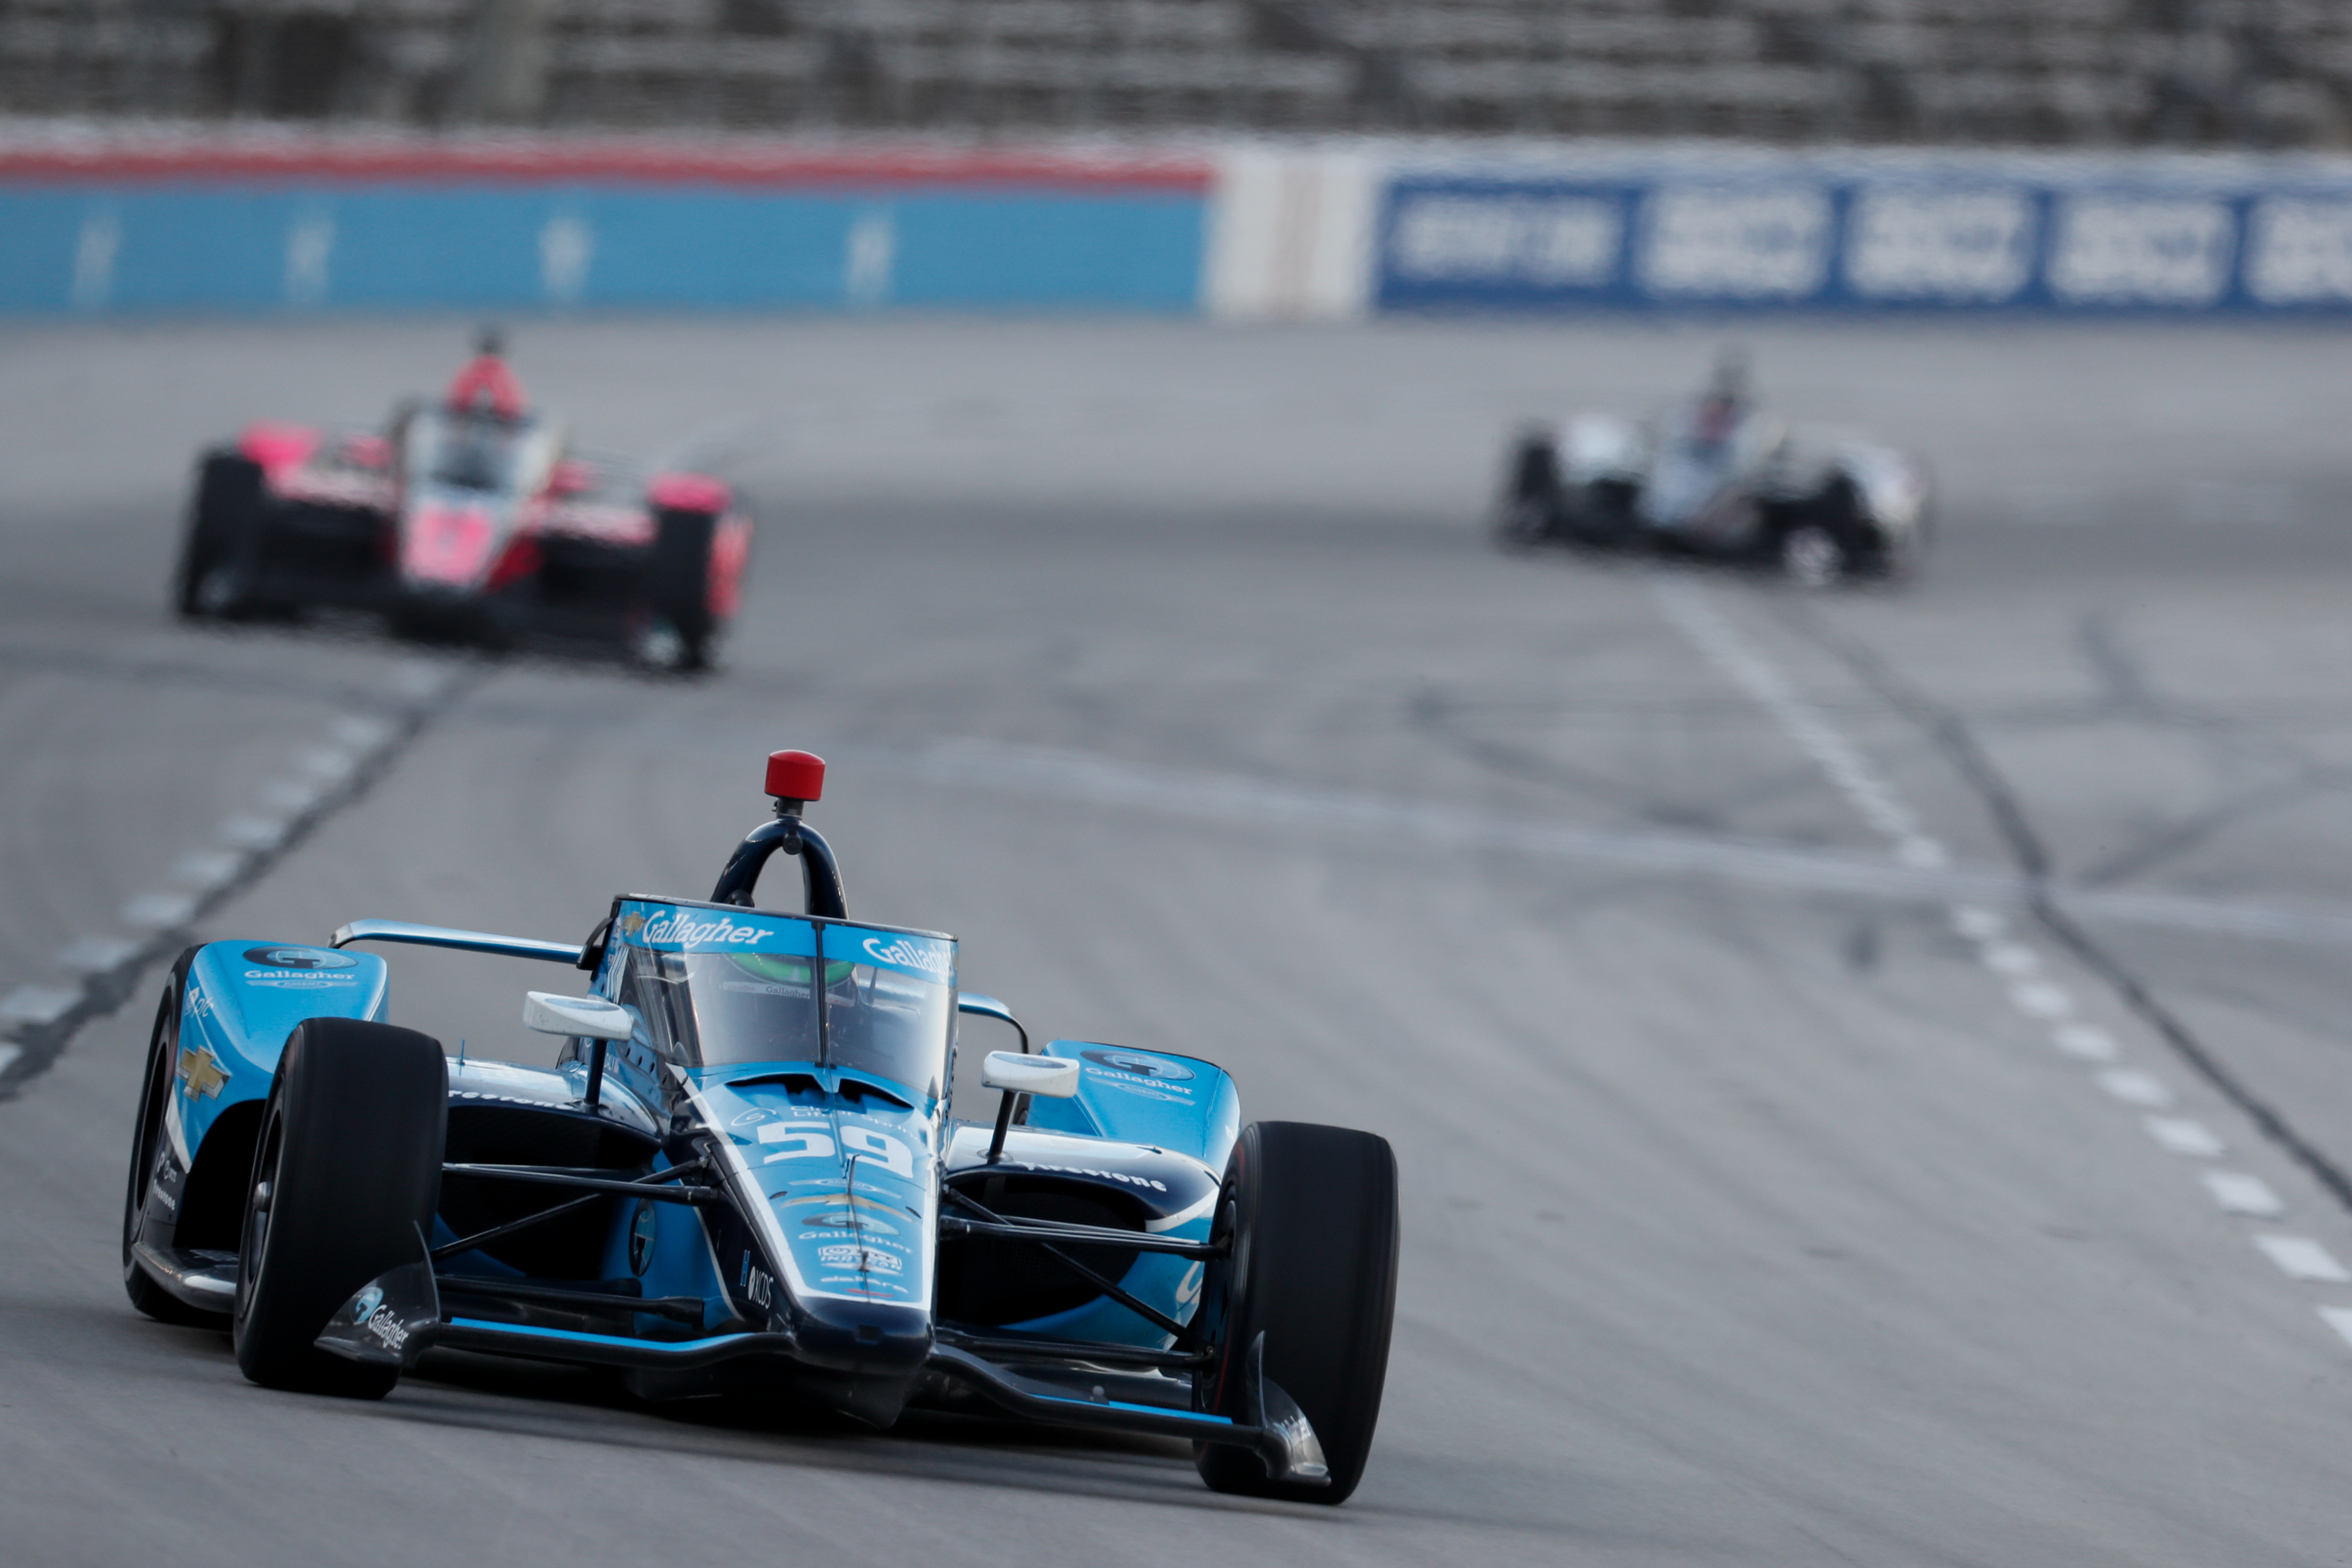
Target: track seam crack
x=1953, y=738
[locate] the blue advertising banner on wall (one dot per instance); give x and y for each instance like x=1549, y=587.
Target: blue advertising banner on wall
x=1795, y=238
x=561, y=225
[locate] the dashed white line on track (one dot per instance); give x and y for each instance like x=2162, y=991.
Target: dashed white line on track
x=36, y=1003
x=2087, y=1042
x=250, y=832
x=2014, y=959
x=2237, y=1192
x=321, y=772
x=1978, y=924
x=2242, y=1194
x=96, y=955
x=206, y=870
x=2185, y=1135
x=158, y=911
x=2040, y=999
x=295, y=797
x=2133, y=1087
x=2301, y=1258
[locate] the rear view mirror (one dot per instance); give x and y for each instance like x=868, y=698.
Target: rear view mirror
x=979, y=1005
x=1053, y=1077
x=591, y=1018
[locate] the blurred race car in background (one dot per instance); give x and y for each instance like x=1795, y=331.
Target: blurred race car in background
x=470, y=516
x=1718, y=476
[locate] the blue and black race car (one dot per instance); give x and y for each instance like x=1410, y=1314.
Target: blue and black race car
x=742, y=1177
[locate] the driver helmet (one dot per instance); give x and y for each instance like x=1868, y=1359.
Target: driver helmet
x=486, y=385
x=786, y=968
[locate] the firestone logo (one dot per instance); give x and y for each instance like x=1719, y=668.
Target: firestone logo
x=928, y=956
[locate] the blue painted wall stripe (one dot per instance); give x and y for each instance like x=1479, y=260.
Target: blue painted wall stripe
x=185, y=247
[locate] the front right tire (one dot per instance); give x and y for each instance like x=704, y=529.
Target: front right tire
x=217, y=555
x=346, y=1175
x=683, y=627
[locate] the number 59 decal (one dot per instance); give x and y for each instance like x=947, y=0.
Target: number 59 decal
x=801, y=1140
x=896, y=1156
x=810, y=1140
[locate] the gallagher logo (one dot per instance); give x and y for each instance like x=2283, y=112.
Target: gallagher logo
x=1137, y=1066
x=300, y=959
x=926, y=958
x=688, y=931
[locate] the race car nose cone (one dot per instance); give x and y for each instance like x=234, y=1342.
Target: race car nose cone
x=796, y=776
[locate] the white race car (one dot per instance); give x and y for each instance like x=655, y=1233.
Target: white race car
x=1719, y=476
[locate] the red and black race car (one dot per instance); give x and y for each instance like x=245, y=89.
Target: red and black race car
x=471, y=516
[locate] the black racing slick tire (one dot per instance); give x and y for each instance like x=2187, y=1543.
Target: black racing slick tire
x=346, y=1170
x=1529, y=512
x=1310, y=1216
x=218, y=557
x=146, y=1147
x=679, y=585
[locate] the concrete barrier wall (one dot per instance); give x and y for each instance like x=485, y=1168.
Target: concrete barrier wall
x=1247, y=232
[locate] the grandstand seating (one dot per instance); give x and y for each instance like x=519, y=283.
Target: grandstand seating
x=2072, y=72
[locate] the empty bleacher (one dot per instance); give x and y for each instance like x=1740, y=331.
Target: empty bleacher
x=2260, y=73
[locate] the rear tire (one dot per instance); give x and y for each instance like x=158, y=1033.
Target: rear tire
x=346, y=1170
x=218, y=557
x=1812, y=557
x=1531, y=508
x=146, y=1143
x=1311, y=1216
x=679, y=590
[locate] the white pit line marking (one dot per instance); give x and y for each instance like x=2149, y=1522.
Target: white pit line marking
x=2242, y=1194
x=2014, y=959
x=158, y=911
x=2183, y=1135
x=96, y=955
x=2338, y=1318
x=2133, y=1087
x=362, y=734
x=2041, y=999
x=1978, y=924
x=2301, y=1258
x=2088, y=1044
x=329, y=765
x=1923, y=853
x=292, y=796
x=209, y=870
x=256, y=833
x=36, y=1003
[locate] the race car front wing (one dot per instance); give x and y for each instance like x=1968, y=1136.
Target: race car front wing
x=396, y=1317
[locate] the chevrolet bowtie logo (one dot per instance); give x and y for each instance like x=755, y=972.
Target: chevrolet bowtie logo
x=201, y=1072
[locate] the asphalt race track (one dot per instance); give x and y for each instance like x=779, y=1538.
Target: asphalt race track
x=1782, y=1184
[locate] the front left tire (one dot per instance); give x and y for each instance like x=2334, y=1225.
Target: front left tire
x=346, y=1177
